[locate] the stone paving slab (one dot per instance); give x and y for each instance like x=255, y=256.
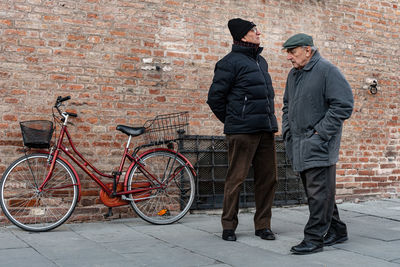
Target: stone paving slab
x=389, y=208
x=375, y=228
x=23, y=257
x=374, y=240
x=388, y=251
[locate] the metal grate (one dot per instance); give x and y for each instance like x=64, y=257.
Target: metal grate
x=209, y=155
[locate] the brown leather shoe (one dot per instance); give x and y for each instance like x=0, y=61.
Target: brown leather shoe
x=265, y=234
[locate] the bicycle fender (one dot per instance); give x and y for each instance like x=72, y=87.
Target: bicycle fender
x=187, y=162
x=74, y=171
x=182, y=157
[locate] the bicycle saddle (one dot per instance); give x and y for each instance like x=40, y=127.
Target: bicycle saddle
x=134, y=131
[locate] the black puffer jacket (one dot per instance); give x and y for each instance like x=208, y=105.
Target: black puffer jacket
x=241, y=95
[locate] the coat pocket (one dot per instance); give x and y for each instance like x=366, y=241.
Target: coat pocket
x=289, y=148
x=315, y=149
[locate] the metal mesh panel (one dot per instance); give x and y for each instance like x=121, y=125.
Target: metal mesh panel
x=37, y=133
x=166, y=127
x=209, y=155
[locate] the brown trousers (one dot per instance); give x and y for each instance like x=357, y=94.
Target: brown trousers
x=245, y=149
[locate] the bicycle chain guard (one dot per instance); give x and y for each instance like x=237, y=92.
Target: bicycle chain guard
x=113, y=201
x=117, y=201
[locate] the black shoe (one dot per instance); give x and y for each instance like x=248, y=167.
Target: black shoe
x=306, y=247
x=332, y=238
x=266, y=234
x=229, y=235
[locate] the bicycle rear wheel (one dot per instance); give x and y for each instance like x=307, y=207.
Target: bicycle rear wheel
x=169, y=201
x=30, y=209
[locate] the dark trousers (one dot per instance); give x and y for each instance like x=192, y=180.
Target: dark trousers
x=320, y=187
x=246, y=149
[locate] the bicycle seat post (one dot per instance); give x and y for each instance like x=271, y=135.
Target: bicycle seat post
x=129, y=141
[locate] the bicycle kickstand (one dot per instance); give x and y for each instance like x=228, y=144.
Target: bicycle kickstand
x=114, y=190
x=109, y=213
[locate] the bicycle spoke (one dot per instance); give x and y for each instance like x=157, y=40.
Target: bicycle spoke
x=172, y=201
x=30, y=209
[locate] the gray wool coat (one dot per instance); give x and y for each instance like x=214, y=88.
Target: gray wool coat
x=316, y=102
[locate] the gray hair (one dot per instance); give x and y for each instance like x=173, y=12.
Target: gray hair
x=313, y=48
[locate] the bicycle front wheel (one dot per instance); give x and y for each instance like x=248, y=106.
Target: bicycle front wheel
x=30, y=209
x=169, y=199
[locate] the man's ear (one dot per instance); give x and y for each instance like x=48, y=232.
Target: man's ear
x=308, y=50
x=243, y=39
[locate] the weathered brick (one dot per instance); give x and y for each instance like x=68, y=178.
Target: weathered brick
x=98, y=53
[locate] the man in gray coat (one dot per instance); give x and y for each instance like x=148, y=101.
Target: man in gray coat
x=316, y=102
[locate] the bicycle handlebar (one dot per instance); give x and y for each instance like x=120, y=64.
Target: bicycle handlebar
x=72, y=114
x=57, y=105
x=62, y=99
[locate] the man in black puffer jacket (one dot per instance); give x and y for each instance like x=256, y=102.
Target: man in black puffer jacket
x=242, y=97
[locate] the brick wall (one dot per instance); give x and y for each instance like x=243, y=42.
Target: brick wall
x=124, y=61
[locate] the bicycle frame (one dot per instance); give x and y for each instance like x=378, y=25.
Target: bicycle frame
x=83, y=163
x=40, y=190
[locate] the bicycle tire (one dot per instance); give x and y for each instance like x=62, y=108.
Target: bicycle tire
x=30, y=210
x=164, y=205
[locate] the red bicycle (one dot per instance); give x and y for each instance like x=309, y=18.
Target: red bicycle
x=39, y=191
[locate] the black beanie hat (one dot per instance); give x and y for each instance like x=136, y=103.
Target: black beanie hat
x=239, y=28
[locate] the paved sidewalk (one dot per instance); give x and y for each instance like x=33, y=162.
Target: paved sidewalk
x=374, y=240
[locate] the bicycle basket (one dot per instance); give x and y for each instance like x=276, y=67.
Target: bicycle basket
x=37, y=133
x=165, y=128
